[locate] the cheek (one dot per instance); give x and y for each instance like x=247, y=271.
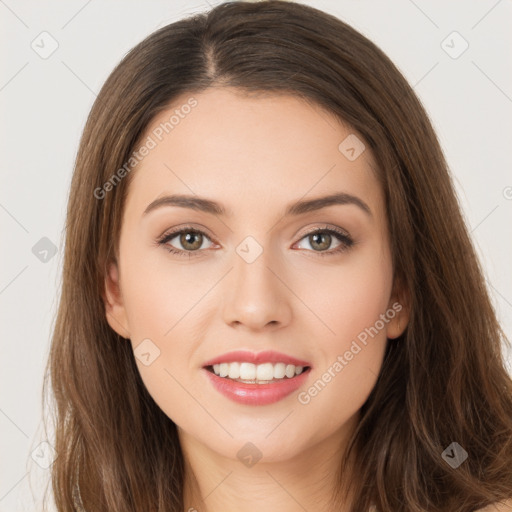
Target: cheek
x=157, y=292
x=161, y=300
x=348, y=297
x=350, y=301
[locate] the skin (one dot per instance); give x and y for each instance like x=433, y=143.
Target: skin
x=255, y=155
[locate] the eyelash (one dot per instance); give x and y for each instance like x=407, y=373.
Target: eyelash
x=346, y=241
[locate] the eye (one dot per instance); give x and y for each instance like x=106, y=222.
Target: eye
x=191, y=239
x=321, y=238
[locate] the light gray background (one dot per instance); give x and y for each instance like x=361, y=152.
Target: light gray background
x=44, y=104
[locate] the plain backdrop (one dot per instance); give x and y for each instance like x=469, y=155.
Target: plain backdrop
x=44, y=101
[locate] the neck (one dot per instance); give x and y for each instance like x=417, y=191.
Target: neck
x=306, y=481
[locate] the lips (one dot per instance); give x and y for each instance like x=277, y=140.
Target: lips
x=268, y=356
x=256, y=394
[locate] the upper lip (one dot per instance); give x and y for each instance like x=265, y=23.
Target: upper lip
x=267, y=356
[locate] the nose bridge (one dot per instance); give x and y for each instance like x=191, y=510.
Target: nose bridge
x=256, y=296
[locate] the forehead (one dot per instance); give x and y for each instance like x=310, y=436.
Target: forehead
x=225, y=144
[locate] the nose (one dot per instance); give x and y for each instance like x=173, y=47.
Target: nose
x=256, y=294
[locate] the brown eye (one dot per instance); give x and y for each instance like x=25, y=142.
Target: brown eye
x=321, y=240
x=188, y=241
x=191, y=240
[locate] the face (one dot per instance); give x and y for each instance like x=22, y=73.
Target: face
x=314, y=284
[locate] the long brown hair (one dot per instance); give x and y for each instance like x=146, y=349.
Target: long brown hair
x=443, y=381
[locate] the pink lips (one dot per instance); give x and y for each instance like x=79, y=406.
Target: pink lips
x=256, y=394
x=268, y=356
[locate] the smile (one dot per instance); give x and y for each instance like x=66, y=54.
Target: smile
x=257, y=391
x=256, y=374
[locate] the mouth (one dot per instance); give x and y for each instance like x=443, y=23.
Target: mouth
x=249, y=373
x=260, y=378
x=258, y=385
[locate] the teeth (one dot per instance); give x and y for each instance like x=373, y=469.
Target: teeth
x=264, y=371
x=223, y=369
x=247, y=371
x=234, y=371
x=280, y=370
x=261, y=373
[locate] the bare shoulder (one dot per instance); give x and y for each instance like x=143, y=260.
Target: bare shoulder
x=505, y=506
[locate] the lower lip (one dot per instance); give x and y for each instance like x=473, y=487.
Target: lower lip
x=257, y=394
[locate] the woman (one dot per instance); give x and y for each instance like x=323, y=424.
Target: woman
x=270, y=299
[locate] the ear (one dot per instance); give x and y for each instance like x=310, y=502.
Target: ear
x=400, y=303
x=114, y=307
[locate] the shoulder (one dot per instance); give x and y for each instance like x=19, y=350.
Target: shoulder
x=505, y=506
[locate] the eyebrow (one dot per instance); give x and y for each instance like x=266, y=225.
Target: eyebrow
x=296, y=208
